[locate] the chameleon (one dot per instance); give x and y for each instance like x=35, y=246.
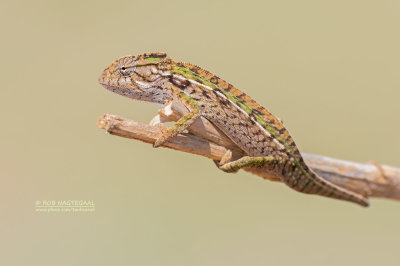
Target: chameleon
x=157, y=78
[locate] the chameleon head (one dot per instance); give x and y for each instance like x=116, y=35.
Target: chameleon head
x=138, y=77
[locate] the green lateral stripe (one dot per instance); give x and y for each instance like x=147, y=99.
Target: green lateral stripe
x=244, y=107
x=152, y=59
x=191, y=75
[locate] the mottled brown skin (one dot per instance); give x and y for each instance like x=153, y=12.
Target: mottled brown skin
x=162, y=78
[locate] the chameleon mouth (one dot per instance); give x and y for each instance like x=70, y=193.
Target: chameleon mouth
x=110, y=88
x=119, y=90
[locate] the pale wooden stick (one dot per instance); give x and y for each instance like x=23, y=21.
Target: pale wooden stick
x=369, y=179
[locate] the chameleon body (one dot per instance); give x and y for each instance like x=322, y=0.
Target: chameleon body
x=157, y=78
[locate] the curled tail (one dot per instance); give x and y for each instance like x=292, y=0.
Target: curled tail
x=331, y=190
x=311, y=183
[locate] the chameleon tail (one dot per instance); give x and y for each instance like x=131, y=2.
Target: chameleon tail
x=320, y=186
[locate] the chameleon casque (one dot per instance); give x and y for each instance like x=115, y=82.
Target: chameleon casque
x=157, y=78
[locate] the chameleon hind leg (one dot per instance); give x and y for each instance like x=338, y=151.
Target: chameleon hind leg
x=185, y=121
x=234, y=166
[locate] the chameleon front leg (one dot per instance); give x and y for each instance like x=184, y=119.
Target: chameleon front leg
x=185, y=121
x=233, y=167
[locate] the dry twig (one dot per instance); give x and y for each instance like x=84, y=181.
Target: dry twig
x=369, y=179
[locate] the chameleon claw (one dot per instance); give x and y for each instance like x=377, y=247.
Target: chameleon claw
x=163, y=136
x=158, y=143
x=226, y=158
x=225, y=163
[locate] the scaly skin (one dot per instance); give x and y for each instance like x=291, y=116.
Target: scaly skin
x=156, y=78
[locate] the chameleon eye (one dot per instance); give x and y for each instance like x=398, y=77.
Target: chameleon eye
x=125, y=71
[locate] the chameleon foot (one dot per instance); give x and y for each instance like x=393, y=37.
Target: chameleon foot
x=163, y=136
x=185, y=121
x=224, y=160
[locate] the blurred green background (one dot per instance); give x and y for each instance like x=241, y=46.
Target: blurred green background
x=329, y=69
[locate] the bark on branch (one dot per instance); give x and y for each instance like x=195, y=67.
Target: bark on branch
x=370, y=179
